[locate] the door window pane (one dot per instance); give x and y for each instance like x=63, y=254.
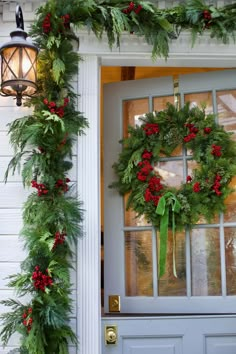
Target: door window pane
x=230, y=203
x=230, y=259
x=205, y=262
x=159, y=103
x=226, y=108
x=171, y=172
x=200, y=99
x=132, y=110
x=169, y=285
x=138, y=263
x=131, y=217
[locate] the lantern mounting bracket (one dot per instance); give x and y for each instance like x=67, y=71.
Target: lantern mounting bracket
x=19, y=18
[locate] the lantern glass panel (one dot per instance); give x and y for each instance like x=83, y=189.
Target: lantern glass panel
x=19, y=64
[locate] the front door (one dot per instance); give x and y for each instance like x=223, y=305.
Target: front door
x=193, y=313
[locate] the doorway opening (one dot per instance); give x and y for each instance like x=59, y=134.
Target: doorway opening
x=118, y=74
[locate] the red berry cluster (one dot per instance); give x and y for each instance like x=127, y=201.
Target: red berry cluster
x=154, y=183
x=206, y=15
x=42, y=190
x=27, y=319
x=146, y=168
x=151, y=128
x=132, y=7
x=217, y=185
x=216, y=150
x=53, y=107
x=47, y=23
x=41, y=281
x=66, y=21
x=62, y=185
x=196, y=187
x=207, y=18
x=189, y=179
x=192, y=132
x=59, y=239
x=207, y=130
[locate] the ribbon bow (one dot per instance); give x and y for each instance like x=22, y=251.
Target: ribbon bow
x=166, y=202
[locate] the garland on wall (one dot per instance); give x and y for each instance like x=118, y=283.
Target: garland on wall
x=208, y=147
x=43, y=142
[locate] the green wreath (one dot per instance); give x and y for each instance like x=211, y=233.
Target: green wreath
x=204, y=191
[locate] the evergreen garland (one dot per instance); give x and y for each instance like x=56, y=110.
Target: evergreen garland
x=43, y=146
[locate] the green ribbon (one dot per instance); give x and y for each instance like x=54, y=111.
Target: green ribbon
x=166, y=202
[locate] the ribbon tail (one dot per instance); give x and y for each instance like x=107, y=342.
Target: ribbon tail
x=174, y=245
x=163, y=242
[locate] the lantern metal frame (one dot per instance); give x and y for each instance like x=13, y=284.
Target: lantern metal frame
x=18, y=81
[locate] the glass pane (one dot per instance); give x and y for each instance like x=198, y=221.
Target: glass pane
x=205, y=262
x=131, y=218
x=230, y=203
x=169, y=285
x=200, y=99
x=226, y=108
x=230, y=259
x=138, y=263
x=159, y=103
x=171, y=172
x=132, y=110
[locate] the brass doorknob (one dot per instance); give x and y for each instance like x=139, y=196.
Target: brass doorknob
x=111, y=335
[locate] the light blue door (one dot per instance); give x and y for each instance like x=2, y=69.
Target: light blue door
x=193, y=313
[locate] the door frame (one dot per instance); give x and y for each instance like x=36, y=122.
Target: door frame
x=133, y=52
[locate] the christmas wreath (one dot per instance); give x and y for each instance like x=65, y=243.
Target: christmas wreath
x=204, y=190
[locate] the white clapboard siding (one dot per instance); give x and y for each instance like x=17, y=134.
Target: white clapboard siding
x=7, y=269
x=11, y=249
x=4, y=161
x=5, y=147
x=13, y=195
x=9, y=114
x=10, y=221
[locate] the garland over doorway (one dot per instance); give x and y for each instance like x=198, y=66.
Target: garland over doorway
x=43, y=143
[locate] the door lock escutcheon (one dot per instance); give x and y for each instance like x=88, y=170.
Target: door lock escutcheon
x=114, y=303
x=111, y=335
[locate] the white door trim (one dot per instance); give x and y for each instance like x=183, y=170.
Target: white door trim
x=135, y=52
x=88, y=264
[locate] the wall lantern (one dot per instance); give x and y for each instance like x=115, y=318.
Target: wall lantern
x=18, y=67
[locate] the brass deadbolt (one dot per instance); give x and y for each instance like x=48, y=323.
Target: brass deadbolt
x=114, y=303
x=111, y=335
